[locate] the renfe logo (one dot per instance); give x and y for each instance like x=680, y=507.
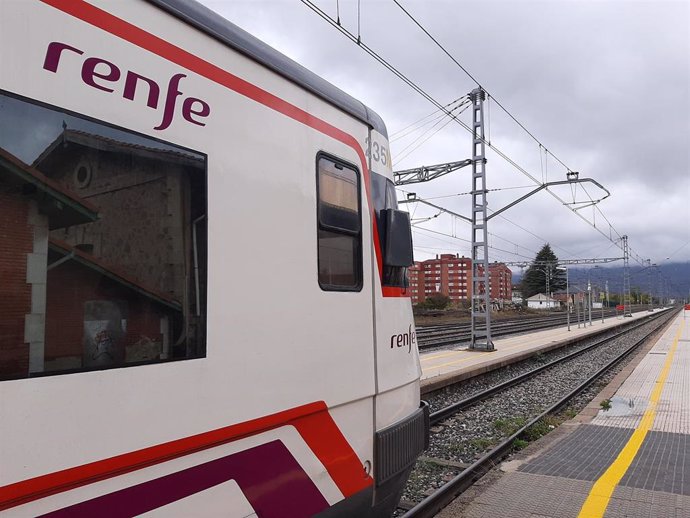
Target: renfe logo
x=404, y=339
x=108, y=73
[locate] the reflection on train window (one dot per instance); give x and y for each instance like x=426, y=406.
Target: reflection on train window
x=339, y=233
x=102, y=245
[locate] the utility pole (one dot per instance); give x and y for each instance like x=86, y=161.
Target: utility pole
x=548, y=285
x=649, y=279
x=626, y=278
x=481, y=302
x=589, y=300
x=608, y=304
x=567, y=293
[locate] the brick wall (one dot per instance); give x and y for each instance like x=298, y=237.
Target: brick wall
x=70, y=286
x=16, y=242
x=143, y=225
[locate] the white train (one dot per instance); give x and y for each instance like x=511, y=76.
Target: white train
x=202, y=275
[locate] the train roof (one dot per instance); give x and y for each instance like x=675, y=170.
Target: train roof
x=230, y=34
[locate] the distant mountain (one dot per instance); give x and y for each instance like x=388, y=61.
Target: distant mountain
x=675, y=283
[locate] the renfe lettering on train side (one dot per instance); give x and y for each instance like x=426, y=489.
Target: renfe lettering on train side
x=404, y=339
x=102, y=74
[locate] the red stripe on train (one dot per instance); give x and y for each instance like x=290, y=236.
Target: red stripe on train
x=145, y=40
x=312, y=421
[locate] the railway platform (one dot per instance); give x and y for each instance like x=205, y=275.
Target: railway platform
x=626, y=455
x=447, y=366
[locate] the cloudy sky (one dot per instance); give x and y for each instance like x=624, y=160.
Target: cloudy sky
x=603, y=85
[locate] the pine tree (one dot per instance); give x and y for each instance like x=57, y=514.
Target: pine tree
x=545, y=263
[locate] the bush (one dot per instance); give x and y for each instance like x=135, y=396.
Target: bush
x=436, y=301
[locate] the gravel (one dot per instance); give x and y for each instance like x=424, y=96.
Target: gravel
x=465, y=437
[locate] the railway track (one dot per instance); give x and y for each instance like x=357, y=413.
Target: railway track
x=455, y=334
x=474, y=432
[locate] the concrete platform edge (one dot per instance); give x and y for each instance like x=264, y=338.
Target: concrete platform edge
x=436, y=383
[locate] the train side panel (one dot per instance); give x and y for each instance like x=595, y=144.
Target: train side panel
x=289, y=374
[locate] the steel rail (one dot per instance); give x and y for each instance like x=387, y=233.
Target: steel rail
x=433, y=503
x=448, y=411
x=596, y=313
x=461, y=336
x=461, y=325
x=556, y=316
x=451, y=338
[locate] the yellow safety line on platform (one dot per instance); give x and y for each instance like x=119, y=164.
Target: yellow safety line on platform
x=460, y=351
x=444, y=355
x=429, y=357
x=467, y=358
x=602, y=490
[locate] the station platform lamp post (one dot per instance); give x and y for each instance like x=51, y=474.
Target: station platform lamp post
x=600, y=293
x=589, y=300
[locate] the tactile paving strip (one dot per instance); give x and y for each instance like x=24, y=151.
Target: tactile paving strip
x=583, y=455
x=628, y=502
x=673, y=410
x=662, y=464
x=632, y=398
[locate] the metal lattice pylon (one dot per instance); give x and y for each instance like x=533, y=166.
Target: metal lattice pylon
x=649, y=278
x=626, y=278
x=481, y=301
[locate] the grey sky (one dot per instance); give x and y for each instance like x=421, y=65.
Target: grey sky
x=605, y=85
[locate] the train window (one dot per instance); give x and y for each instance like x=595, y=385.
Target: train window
x=102, y=245
x=339, y=226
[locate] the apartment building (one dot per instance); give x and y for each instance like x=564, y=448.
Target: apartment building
x=451, y=275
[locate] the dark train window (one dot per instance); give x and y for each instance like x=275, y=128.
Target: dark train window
x=102, y=245
x=339, y=226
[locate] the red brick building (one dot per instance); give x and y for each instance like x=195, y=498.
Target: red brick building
x=500, y=282
x=31, y=205
x=63, y=308
x=451, y=275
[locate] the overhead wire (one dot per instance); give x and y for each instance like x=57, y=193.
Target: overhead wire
x=467, y=72
x=443, y=114
x=418, y=229
x=530, y=232
x=411, y=84
x=489, y=95
x=377, y=57
x=492, y=234
x=432, y=100
x=405, y=133
x=420, y=142
x=470, y=192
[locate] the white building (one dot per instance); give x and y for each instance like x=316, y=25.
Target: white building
x=541, y=301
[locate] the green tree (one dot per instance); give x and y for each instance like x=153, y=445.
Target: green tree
x=635, y=295
x=436, y=301
x=544, y=264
